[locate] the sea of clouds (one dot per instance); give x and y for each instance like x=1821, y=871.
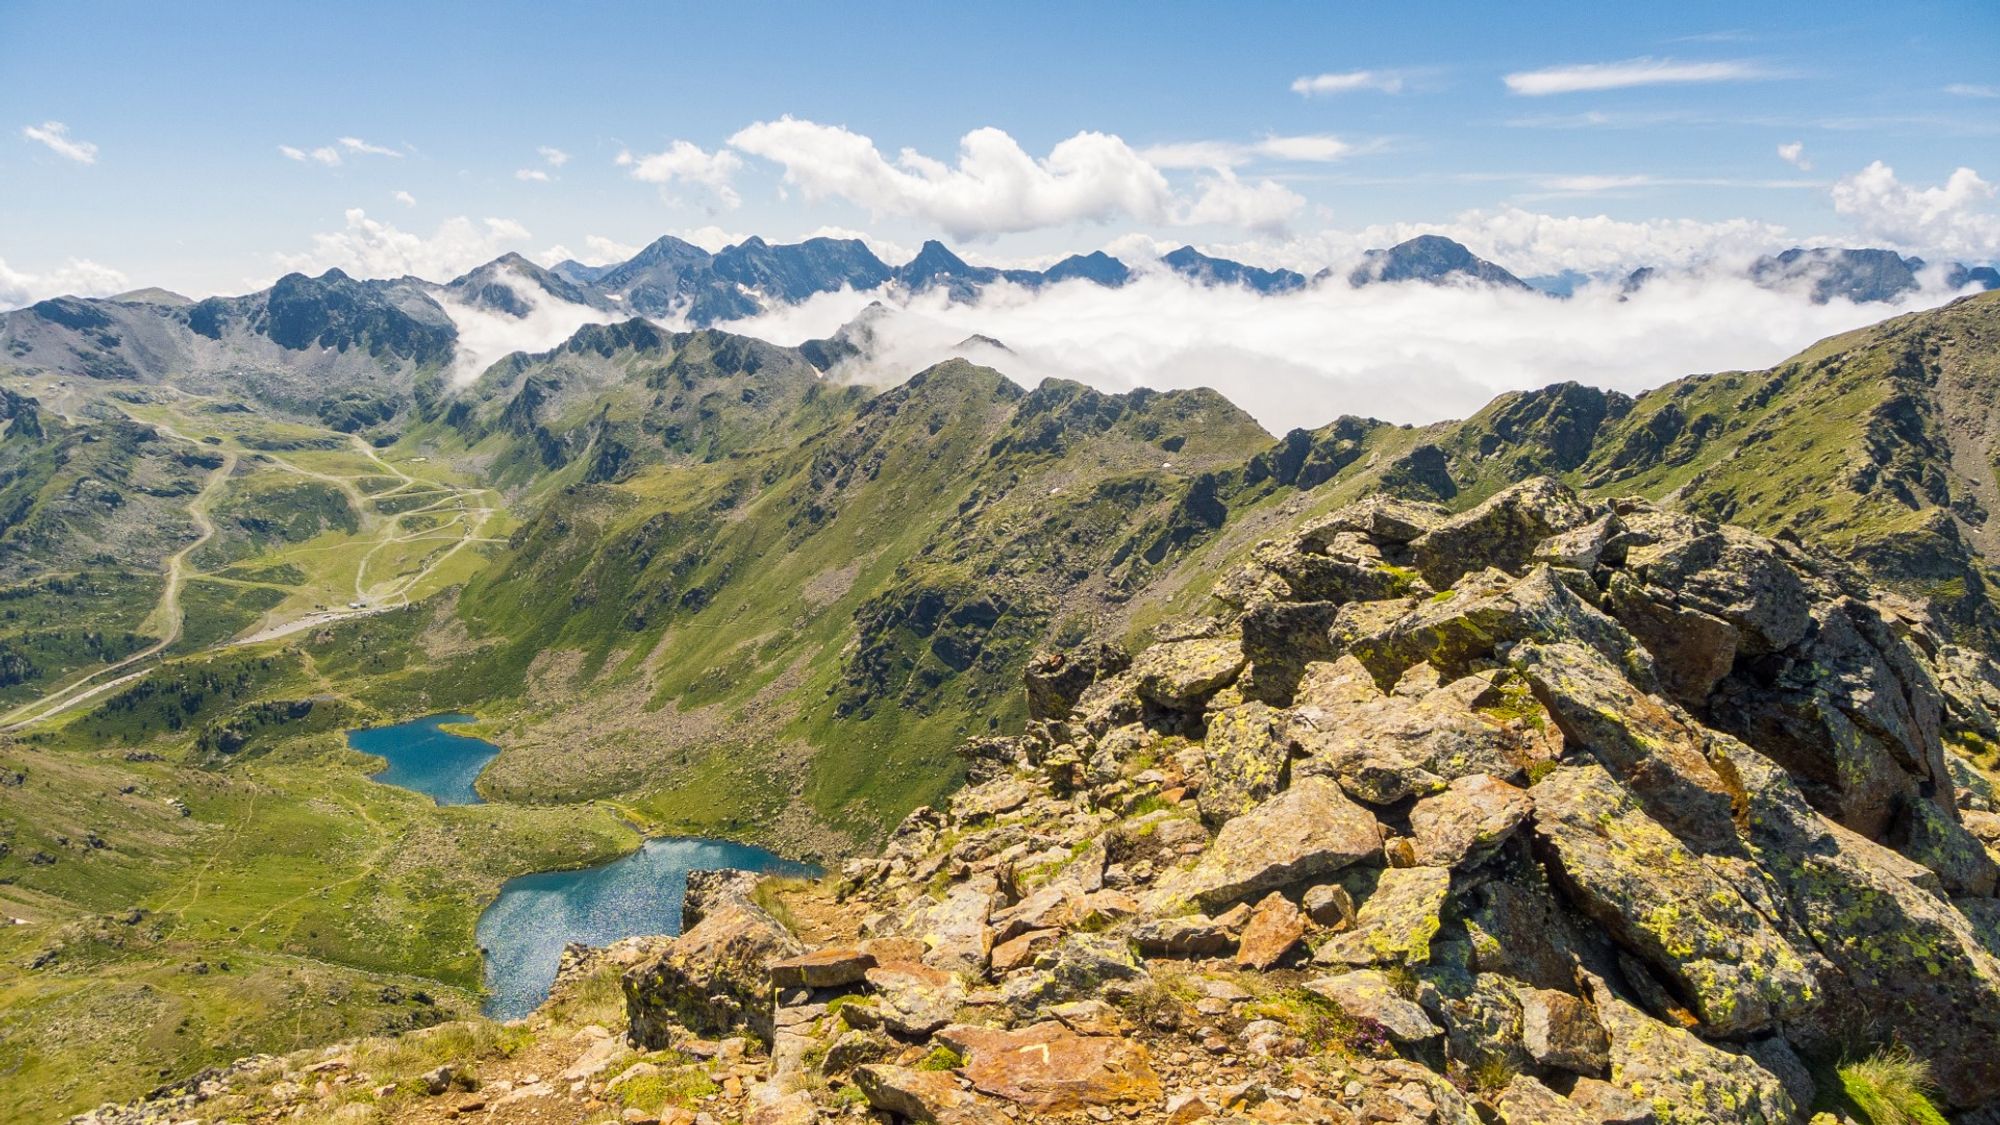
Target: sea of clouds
x=1410, y=353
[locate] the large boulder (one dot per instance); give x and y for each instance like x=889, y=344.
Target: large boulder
x=1850, y=713
x=1384, y=519
x=1368, y=994
x=1654, y=751
x=1056, y=679
x=1662, y=902
x=1692, y=648
x=1461, y=629
x=1247, y=751
x=1395, y=923
x=1502, y=532
x=925, y=1095
x=1908, y=963
x=1685, y=1080
x=1046, y=1068
x=1725, y=572
x=1307, y=831
x=1383, y=748
x=715, y=978
x=1466, y=823
x=1526, y=1101
x=1181, y=674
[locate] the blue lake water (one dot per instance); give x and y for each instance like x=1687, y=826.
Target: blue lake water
x=434, y=762
x=524, y=931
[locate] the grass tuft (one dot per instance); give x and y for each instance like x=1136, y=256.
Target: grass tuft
x=1891, y=1087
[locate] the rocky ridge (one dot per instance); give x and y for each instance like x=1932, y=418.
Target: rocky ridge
x=1549, y=811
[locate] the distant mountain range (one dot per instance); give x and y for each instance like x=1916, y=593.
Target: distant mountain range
x=306, y=335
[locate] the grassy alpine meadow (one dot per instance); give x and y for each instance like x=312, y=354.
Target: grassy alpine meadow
x=174, y=904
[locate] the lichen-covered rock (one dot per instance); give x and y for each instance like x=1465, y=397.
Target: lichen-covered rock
x=1180, y=674
x=1309, y=830
x=1606, y=1104
x=954, y=929
x=1503, y=532
x=827, y=967
x=1386, y=520
x=1195, y=935
x=1460, y=630
x=1368, y=994
x=1684, y=1080
x=1662, y=902
x=926, y=1095
x=1046, y=1068
x=1247, y=753
x=1692, y=649
x=1904, y=955
x=1383, y=748
x=1396, y=921
x=1850, y=712
x=1931, y=835
x=714, y=978
x=914, y=999
x=1560, y=1030
x=1466, y=823
x=1525, y=1101
x=1653, y=752
x=1055, y=680
x=1078, y=966
x=1723, y=571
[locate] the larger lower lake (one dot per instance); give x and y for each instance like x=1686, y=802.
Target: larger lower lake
x=434, y=762
x=524, y=931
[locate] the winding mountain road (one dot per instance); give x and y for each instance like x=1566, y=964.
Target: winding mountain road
x=167, y=617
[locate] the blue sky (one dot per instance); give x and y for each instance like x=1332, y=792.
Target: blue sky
x=201, y=146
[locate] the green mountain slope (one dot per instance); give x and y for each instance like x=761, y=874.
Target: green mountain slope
x=1878, y=446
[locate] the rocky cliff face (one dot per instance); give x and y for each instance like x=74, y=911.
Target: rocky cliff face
x=1549, y=811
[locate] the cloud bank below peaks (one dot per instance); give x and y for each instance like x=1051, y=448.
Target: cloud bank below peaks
x=1411, y=353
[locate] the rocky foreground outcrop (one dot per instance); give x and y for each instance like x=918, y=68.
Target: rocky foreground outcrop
x=1550, y=811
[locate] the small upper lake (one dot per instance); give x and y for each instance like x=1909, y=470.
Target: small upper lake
x=435, y=762
x=524, y=931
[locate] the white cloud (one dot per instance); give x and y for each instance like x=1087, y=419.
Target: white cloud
x=1304, y=148
x=1312, y=85
x=405, y=198
x=554, y=157
x=996, y=187
x=1410, y=353
x=78, y=276
x=324, y=154
x=1226, y=201
x=56, y=136
x=357, y=145
x=1794, y=154
x=1632, y=72
x=1595, y=185
x=330, y=155
x=685, y=162
x=366, y=247
x=1972, y=90
x=599, y=250
x=486, y=336
x=534, y=175
x=1954, y=218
